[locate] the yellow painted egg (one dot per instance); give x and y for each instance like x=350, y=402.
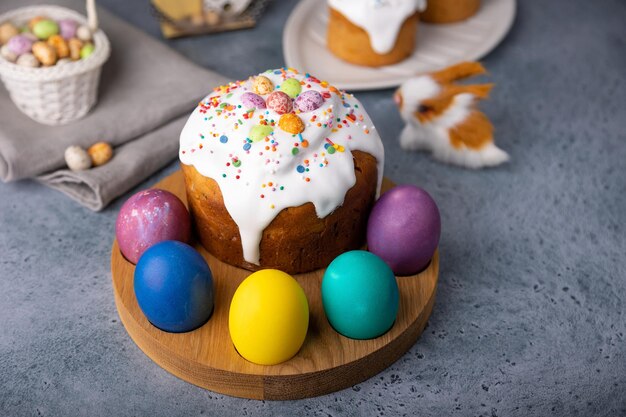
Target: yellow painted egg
x=269, y=317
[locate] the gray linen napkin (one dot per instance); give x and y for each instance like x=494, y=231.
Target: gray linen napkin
x=146, y=93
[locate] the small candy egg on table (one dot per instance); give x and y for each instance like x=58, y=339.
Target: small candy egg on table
x=77, y=159
x=404, y=228
x=174, y=287
x=100, y=153
x=360, y=295
x=149, y=217
x=268, y=317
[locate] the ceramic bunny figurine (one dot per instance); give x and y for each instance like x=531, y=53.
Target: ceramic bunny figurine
x=441, y=116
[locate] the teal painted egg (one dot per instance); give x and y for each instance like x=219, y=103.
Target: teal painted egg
x=360, y=295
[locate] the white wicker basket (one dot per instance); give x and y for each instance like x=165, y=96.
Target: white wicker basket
x=61, y=93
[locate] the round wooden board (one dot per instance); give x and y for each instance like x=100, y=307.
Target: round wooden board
x=327, y=361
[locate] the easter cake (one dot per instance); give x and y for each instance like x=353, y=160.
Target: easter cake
x=449, y=11
x=281, y=171
x=373, y=32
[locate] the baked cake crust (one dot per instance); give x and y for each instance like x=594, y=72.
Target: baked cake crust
x=352, y=43
x=449, y=11
x=296, y=240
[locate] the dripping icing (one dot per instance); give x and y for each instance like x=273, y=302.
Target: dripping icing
x=259, y=179
x=381, y=19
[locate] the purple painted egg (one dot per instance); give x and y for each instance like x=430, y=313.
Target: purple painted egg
x=404, y=228
x=20, y=44
x=150, y=217
x=252, y=101
x=309, y=100
x=68, y=28
x=280, y=102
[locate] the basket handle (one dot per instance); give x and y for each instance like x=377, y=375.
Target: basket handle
x=92, y=15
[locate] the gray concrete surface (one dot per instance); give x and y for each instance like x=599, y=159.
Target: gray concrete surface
x=529, y=318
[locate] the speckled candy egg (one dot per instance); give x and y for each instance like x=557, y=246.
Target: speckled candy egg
x=268, y=317
x=46, y=54
x=77, y=159
x=262, y=85
x=7, y=31
x=100, y=153
x=149, y=217
x=45, y=28
x=360, y=295
x=60, y=46
x=252, y=101
x=291, y=87
x=84, y=33
x=260, y=132
x=8, y=54
x=291, y=123
x=280, y=102
x=174, y=287
x=67, y=28
x=404, y=228
x=87, y=50
x=76, y=45
x=27, y=60
x=20, y=44
x=308, y=101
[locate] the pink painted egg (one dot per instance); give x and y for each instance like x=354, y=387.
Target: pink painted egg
x=280, y=102
x=150, y=217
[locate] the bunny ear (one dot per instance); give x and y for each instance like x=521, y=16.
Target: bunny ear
x=458, y=71
x=479, y=90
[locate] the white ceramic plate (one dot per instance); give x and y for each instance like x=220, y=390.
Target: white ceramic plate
x=304, y=45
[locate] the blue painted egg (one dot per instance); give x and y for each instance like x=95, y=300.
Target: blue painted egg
x=360, y=295
x=174, y=287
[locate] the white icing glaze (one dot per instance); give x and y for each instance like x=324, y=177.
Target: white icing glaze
x=381, y=19
x=326, y=178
